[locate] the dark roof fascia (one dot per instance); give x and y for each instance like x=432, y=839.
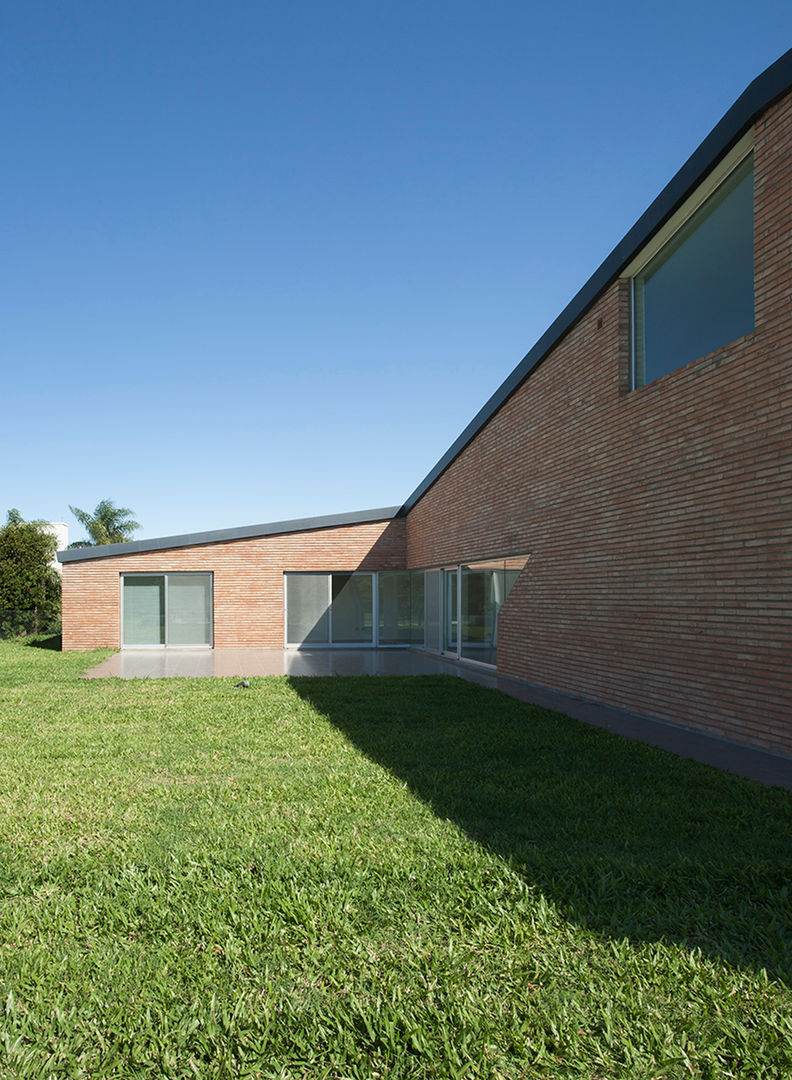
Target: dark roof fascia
x=215, y=536
x=766, y=88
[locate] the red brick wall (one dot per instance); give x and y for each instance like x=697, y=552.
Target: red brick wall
x=659, y=521
x=248, y=580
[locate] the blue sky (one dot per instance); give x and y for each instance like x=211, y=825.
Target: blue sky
x=267, y=260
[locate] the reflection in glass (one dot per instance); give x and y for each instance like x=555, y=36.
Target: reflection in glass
x=417, y=607
x=482, y=596
x=697, y=293
x=451, y=609
x=353, y=620
x=395, y=607
x=484, y=589
x=433, y=605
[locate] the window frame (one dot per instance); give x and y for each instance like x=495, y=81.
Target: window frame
x=666, y=234
x=165, y=574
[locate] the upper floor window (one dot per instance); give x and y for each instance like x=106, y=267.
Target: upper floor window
x=696, y=293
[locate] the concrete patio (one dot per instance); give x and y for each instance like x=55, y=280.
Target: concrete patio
x=248, y=663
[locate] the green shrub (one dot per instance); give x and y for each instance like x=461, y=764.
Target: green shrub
x=30, y=590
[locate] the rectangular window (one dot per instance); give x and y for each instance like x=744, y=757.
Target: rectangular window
x=144, y=610
x=167, y=610
x=395, y=607
x=462, y=606
x=307, y=609
x=189, y=609
x=696, y=293
x=354, y=609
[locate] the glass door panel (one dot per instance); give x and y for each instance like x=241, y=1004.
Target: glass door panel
x=433, y=607
x=353, y=609
x=482, y=595
x=144, y=610
x=394, y=607
x=307, y=609
x=417, y=606
x=189, y=609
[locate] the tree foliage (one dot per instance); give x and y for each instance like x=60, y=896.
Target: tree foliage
x=29, y=585
x=108, y=524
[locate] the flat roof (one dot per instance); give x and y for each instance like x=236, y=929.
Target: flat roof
x=766, y=88
x=216, y=536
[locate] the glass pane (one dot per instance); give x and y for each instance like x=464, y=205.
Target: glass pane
x=482, y=596
x=417, y=607
x=433, y=596
x=353, y=613
x=697, y=294
x=394, y=601
x=450, y=622
x=307, y=609
x=189, y=609
x=144, y=611
x=485, y=587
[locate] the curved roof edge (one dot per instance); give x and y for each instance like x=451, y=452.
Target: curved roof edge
x=244, y=532
x=766, y=88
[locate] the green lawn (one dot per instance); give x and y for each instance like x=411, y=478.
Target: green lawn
x=373, y=878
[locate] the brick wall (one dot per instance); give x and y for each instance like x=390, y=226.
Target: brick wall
x=248, y=580
x=659, y=521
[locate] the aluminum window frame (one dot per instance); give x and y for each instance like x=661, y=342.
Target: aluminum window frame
x=165, y=574
x=666, y=234
x=329, y=574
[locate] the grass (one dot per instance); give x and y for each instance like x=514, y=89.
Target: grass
x=365, y=878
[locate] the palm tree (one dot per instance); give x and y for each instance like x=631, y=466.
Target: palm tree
x=108, y=524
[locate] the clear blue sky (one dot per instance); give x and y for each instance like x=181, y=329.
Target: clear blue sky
x=267, y=260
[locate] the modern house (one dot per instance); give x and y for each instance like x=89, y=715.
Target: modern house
x=615, y=523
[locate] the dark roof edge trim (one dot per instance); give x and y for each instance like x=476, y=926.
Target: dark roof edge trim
x=244, y=532
x=765, y=89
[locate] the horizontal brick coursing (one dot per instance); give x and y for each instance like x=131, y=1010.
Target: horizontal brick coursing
x=248, y=580
x=658, y=521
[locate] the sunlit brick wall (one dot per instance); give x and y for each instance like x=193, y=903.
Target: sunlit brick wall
x=248, y=580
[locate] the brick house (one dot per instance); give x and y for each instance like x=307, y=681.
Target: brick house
x=616, y=521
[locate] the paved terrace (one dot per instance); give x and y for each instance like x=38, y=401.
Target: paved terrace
x=759, y=765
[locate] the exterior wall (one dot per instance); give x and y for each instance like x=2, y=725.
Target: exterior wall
x=248, y=580
x=60, y=530
x=658, y=521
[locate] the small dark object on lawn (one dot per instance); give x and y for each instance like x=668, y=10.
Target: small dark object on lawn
x=244, y=682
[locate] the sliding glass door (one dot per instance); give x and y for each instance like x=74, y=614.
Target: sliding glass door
x=329, y=609
x=355, y=609
x=462, y=605
x=160, y=610
x=307, y=609
x=144, y=610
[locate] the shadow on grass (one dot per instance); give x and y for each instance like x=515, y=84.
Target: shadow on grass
x=625, y=839
x=44, y=641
